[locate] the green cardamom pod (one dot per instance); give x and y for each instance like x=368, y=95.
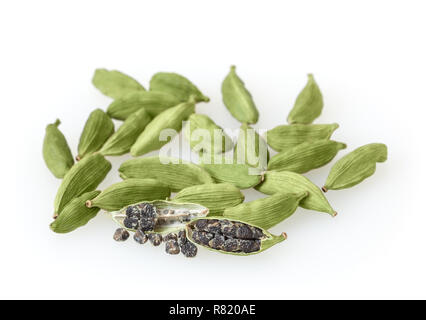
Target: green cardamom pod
x=127, y=192
x=308, y=105
x=356, y=166
x=267, y=212
x=83, y=177
x=154, y=102
x=237, y=99
x=174, y=173
x=204, y=134
x=216, y=197
x=240, y=175
x=115, y=84
x=251, y=148
x=75, y=214
x=287, y=182
x=162, y=128
x=306, y=156
x=158, y=216
x=284, y=137
x=230, y=236
x=98, y=128
x=123, y=139
x=176, y=85
x=56, y=152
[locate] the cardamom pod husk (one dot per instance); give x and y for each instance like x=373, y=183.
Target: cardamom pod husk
x=115, y=84
x=288, y=182
x=75, y=214
x=216, y=197
x=306, y=156
x=356, y=166
x=228, y=236
x=238, y=100
x=83, y=177
x=267, y=212
x=240, y=175
x=251, y=148
x=176, y=85
x=308, y=105
x=284, y=137
x=98, y=128
x=162, y=128
x=122, y=140
x=174, y=173
x=203, y=134
x=127, y=192
x=167, y=216
x=154, y=102
x=56, y=152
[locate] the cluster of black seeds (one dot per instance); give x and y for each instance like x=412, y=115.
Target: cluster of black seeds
x=141, y=217
x=227, y=235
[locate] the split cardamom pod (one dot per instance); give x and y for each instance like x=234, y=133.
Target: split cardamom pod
x=127, y=192
x=306, y=156
x=230, y=236
x=174, y=173
x=56, y=152
x=176, y=85
x=203, y=134
x=240, y=175
x=288, y=182
x=154, y=102
x=356, y=166
x=162, y=128
x=251, y=148
x=216, y=197
x=238, y=100
x=308, y=105
x=83, y=177
x=266, y=212
x=98, y=128
x=284, y=137
x=115, y=84
x=75, y=214
x=123, y=139
x=159, y=216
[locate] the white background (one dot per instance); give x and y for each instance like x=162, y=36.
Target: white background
x=369, y=60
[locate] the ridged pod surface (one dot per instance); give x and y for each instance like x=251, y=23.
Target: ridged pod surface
x=356, y=166
x=288, y=182
x=114, y=83
x=216, y=197
x=98, y=128
x=153, y=102
x=128, y=192
x=83, y=177
x=56, y=152
x=75, y=214
x=308, y=105
x=174, y=173
x=306, y=156
x=171, y=120
x=177, y=85
x=284, y=137
x=267, y=212
x=201, y=132
x=123, y=139
x=238, y=99
x=251, y=148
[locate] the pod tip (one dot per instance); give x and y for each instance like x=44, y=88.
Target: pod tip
x=324, y=189
x=284, y=235
x=89, y=203
x=334, y=214
x=55, y=215
x=78, y=158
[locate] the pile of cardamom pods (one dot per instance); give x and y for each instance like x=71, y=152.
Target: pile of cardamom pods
x=186, y=204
